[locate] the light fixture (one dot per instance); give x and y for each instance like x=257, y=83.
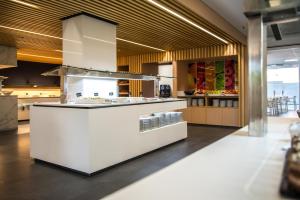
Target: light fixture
x=187, y=20
x=40, y=34
x=98, y=39
x=139, y=44
x=25, y=3
x=291, y=60
x=55, y=37
x=25, y=54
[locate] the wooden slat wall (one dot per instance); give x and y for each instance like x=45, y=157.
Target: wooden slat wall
x=235, y=49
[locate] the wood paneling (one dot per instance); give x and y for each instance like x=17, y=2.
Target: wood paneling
x=139, y=21
x=235, y=49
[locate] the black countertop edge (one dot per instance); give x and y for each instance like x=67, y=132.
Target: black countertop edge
x=105, y=106
x=203, y=96
x=37, y=97
x=89, y=15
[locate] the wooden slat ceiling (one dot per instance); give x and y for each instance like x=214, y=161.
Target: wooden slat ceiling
x=138, y=20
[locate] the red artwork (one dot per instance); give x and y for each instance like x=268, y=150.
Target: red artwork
x=201, y=75
x=229, y=74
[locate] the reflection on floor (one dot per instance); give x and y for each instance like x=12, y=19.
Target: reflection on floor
x=289, y=114
x=23, y=127
x=22, y=178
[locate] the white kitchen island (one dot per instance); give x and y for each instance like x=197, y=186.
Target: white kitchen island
x=90, y=137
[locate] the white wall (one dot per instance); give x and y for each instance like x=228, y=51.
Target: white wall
x=89, y=43
x=166, y=70
x=90, y=86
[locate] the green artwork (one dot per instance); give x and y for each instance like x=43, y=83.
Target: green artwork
x=219, y=75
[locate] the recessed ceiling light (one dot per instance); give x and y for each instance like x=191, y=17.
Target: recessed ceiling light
x=25, y=54
x=187, y=20
x=139, y=44
x=291, y=60
x=25, y=4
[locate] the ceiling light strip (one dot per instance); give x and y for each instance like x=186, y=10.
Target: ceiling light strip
x=55, y=37
x=25, y=54
x=40, y=34
x=140, y=44
x=187, y=20
x=25, y=4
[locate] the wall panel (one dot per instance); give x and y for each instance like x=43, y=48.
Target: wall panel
x=135, y=65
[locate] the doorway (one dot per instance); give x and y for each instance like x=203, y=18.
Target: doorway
x=283, y=82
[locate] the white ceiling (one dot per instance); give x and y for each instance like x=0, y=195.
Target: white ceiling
x=230, y=10
x=277, y=56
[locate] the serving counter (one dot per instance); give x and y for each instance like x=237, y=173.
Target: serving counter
x=91, y=137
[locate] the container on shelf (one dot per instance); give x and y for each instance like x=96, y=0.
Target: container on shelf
x=216, y=103
x=189, y=102
x=222, y=103
x=229, y=103
x=194, y=102
x=200, y=102
x=154, y=121
x=161, y=118
x=235, y=104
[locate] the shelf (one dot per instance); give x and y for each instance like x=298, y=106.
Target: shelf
x=208, y=96
x=163, y=127
x=123, y=84
x=123, y=93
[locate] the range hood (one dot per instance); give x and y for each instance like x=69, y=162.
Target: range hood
x=71, y=71
x=8, y=57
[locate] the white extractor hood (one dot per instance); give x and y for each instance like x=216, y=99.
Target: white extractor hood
x=8, y=57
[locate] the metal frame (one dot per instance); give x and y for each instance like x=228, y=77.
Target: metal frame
x=64, y=72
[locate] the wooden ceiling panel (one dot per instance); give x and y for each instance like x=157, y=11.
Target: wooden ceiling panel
x=139, y=21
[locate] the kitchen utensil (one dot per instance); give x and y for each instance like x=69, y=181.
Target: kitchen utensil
x=189, y=92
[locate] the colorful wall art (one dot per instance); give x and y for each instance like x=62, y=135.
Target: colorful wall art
x=210, y=75
x=201, y=75
x=220, y=75
x=229, y=74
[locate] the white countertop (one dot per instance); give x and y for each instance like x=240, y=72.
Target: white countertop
x=236, y=167
x=69, y=105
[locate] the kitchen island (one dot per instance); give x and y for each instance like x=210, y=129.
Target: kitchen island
x=91, y=137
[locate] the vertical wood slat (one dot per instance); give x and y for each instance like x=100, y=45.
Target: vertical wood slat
x=237, y=49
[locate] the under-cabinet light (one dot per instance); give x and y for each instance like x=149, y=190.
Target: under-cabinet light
x=187, y=20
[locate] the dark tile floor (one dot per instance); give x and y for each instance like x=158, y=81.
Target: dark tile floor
x=22, y=178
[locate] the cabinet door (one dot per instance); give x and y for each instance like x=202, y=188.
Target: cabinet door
x=186, y=114
x=214, y=116
x=230, y=117
x=198, y=115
